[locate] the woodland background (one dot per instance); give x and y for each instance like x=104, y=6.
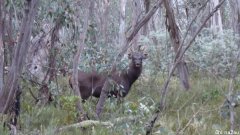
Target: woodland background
x=190, y=81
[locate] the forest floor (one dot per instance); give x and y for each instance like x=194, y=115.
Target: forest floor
x=198, y=111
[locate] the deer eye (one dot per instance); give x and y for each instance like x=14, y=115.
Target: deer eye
x=144, y=55
x=129, y=55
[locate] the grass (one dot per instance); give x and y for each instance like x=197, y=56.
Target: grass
x=196, y=111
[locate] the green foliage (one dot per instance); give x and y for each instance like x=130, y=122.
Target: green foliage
x=209, y=53
x=68, y=104
x=214, y=53
x=140, y=103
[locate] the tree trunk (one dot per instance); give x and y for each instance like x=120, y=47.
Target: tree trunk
x=173, y=30
x=122, y=36
x=235, y=10
x=1, y=44
x=135, y=13
x=146, y=6
x=11, y=41
x=76, y=61
x=7, y=95
x=105, y=20
x=216, y=20
x=45, y=95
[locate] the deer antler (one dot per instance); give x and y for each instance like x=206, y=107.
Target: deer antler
x=139, y=48
x=131, y=49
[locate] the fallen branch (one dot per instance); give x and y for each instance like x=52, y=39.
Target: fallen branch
x=84, y=124
x=90, y=123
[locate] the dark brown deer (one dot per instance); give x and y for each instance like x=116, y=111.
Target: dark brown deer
x=92, y=83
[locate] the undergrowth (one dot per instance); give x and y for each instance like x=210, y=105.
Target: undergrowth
x=196, y=111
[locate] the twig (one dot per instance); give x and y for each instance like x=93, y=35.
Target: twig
x=31, y=93
x=180, y=131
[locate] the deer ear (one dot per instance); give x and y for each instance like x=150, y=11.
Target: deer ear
x=145, y=55
x=129, y=55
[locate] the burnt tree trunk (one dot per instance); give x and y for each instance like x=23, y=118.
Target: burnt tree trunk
x=135, y=29
x=7, y=95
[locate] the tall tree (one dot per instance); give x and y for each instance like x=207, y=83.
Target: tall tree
x=176, y=40
x=146, y=6
x=235, y=20
x=122, y=35
x=216, y=19
x=1, y=43
x=44, y=93
x=136, y=7
x=7, y=95
x=76, y=58
x=104, y=18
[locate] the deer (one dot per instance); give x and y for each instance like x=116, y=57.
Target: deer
x=91, y=84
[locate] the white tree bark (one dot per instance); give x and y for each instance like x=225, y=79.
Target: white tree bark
x=216, y=20
x=122, y=36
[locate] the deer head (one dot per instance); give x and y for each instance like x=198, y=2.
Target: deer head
x=137, y=56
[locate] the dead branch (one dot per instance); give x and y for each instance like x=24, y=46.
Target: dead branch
x=90, y=123
x=84, y=124
x=181, y=131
